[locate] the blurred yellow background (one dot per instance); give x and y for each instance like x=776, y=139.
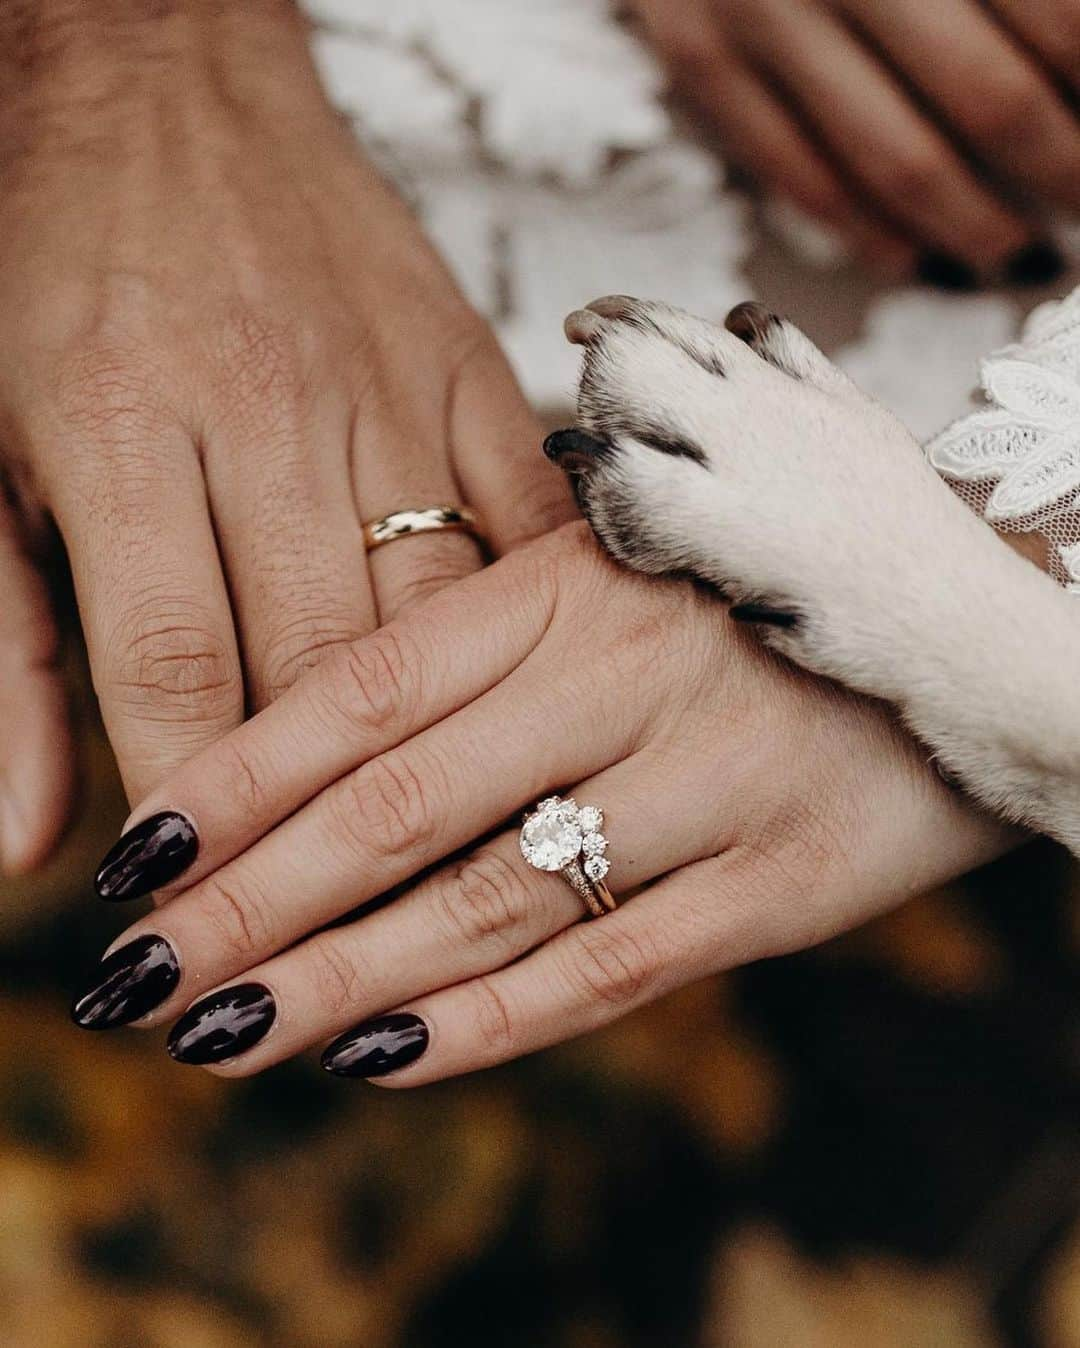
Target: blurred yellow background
x=872, y=1145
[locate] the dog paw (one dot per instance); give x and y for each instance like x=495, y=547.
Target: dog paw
x=743, y=457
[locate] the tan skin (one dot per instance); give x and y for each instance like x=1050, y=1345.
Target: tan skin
x=905, y=125
x=224, y=344
x=761, y=809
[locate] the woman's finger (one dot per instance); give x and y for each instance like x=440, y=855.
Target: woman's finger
x=759, y=133
x=468, y=918
x=386, y=822
x=578, y=981
x=365, y=700
x=276, y=459
x=984, y=85
x=904, y=163
x=36, y=758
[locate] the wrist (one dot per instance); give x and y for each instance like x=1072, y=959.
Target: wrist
x=84, y=63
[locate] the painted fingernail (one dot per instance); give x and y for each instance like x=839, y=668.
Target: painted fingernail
x=129, y=983
x=947, y=272
x=150, y=855
x=762, y=613
x=1035, y=265
x=223, y=1025
x=377, y=1047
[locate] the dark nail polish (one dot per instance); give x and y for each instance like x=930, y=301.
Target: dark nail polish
x=377, y=1047
x=575, y=451
x=1036, y=265
x=129, y=983
x=762, y=613
x=147, y=856
x=223, y=1025
x=947, y=272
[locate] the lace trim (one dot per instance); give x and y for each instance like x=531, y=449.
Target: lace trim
x=1016, y=461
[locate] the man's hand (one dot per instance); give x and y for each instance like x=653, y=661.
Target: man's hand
x=224, y=344
x=945, y=127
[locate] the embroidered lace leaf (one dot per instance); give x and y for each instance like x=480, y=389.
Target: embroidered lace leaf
x=1017, y=461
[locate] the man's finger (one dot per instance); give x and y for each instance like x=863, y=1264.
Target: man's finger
x=152, y=599
x=495, y=450
x=278, y=477
x=400, y=463
x=36, y=758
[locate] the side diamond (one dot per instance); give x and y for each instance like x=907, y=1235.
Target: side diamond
x=597, y=867
x=593, y=844
x=591, y=819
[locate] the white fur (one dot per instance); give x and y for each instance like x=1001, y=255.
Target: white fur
x=814, y=499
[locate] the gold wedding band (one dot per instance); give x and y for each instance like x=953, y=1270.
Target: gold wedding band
x=403, y=523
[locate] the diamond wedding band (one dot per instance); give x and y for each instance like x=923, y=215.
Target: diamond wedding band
x=559, y=835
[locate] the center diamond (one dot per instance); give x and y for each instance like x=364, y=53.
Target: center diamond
x=551, y=839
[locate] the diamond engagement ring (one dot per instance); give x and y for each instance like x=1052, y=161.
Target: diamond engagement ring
x=561, y=835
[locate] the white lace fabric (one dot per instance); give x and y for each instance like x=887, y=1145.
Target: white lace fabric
x=1016, y=461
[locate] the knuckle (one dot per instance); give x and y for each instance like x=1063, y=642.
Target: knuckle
x=106, y=388
x=483, y=899
x=612, y=969
x=294, y=651
x=387, y=808
x=165, y=656
x=240, y=778
x=494, y=1023
x=337, y=976
x=239, y=915
x=266, y=364
x=368, y=681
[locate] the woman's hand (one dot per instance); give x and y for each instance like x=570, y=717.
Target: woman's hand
x=760, y=810
x=948, y=126
x=224, y=344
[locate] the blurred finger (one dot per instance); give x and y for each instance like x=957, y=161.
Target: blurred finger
x=986, y=86
x=759, y=133
x=36, y=755
x=1049, y=27
x=905, y=164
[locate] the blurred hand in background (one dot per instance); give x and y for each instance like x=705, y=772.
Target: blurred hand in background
x=933, y=136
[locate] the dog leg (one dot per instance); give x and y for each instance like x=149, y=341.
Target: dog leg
x=742, y=456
